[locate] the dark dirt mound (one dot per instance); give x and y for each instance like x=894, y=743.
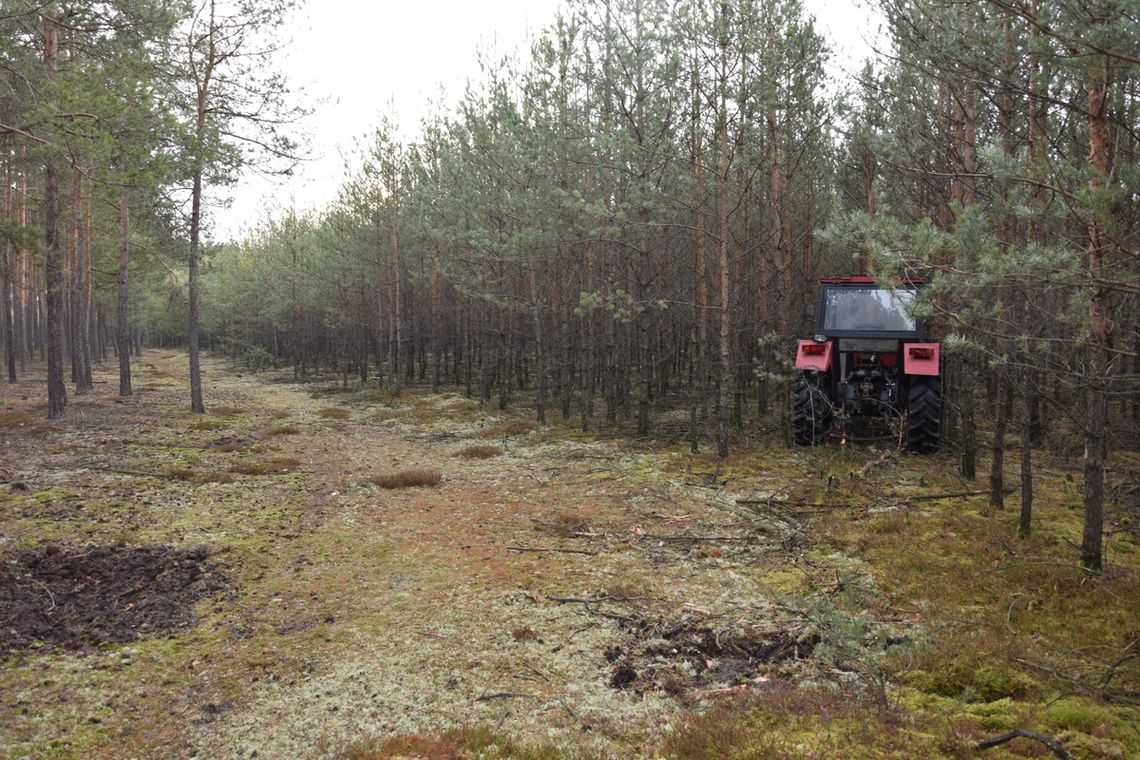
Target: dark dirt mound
x=78, y=597
x=674, y=656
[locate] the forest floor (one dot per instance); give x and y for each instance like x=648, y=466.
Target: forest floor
x=282, y=578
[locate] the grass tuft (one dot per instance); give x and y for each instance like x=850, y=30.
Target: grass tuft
x=565, y=525
x=480, y=452
x=523, y=633
x=275, y=466
x=334, y=413
x=407, y=479
x=285, y=430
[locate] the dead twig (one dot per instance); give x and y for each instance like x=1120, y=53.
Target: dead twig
x=1082, y=686
x=890, y=500
x=501, y=695
x=574, y=715
x=541, y=549
x=949, y=495
x=1130, y=653
x=874, y=463
x=778, y=502
x=725, y=692
x=1049, y=742
x=536, y=671
x=49, y=593
x=1045, y=561
x=675, y=537
x=588, y=604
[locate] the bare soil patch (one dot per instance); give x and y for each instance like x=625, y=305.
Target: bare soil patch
x=80, y=597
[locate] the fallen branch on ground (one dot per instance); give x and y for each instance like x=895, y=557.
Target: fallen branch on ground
x=540, y=549
x=675, y=537
x=1082, y=686
x=588, y=604
x=874, y=463
x=501, y=695
x=890, y=501
x=1049, y=742
x=950, y=495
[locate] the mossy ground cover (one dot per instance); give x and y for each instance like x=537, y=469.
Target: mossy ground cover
x=570, y=596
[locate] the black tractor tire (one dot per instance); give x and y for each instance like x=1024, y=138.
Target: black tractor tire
x=811, y=411
x=924, y=415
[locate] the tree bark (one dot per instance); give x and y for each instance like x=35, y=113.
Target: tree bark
x=1096, y=435
x=6, y=257
x=54, y=253
x=1025, y=518
x=540, y=356
x=203, y=101
x=80, y=312
x=997, y=459
x=123, y=336
x=723, y=210
x=20, y=294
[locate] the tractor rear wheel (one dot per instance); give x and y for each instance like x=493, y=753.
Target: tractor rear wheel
x=924, y=415
x=811, y=410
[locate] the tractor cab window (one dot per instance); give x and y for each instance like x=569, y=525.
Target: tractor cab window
x=868, y=309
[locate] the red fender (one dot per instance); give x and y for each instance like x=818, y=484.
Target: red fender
x=921, y=359
x=812, y=355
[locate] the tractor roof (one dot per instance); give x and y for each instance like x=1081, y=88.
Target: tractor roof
x=865, y=280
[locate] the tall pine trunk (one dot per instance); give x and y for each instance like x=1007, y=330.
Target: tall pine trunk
x=1096, y=435
x=123, y=336
x=723, y=211
x=6, y=282
x=53, y=253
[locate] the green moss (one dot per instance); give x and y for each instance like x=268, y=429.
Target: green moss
x=790, y=581
x=982, y=683
x=51, y=494
x=1103, y=748
x=915, y=700
x=999, y=715
x=1118, y=726
x=1077, y=714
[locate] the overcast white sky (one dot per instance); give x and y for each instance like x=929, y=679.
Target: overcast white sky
x=366, y=58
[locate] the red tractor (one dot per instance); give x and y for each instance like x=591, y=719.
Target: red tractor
x=869, y=358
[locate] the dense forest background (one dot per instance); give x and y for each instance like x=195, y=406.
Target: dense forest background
x=620, y=227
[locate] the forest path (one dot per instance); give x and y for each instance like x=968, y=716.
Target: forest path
x=360, y=610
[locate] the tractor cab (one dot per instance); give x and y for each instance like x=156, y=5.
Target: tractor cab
x=869, y=357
